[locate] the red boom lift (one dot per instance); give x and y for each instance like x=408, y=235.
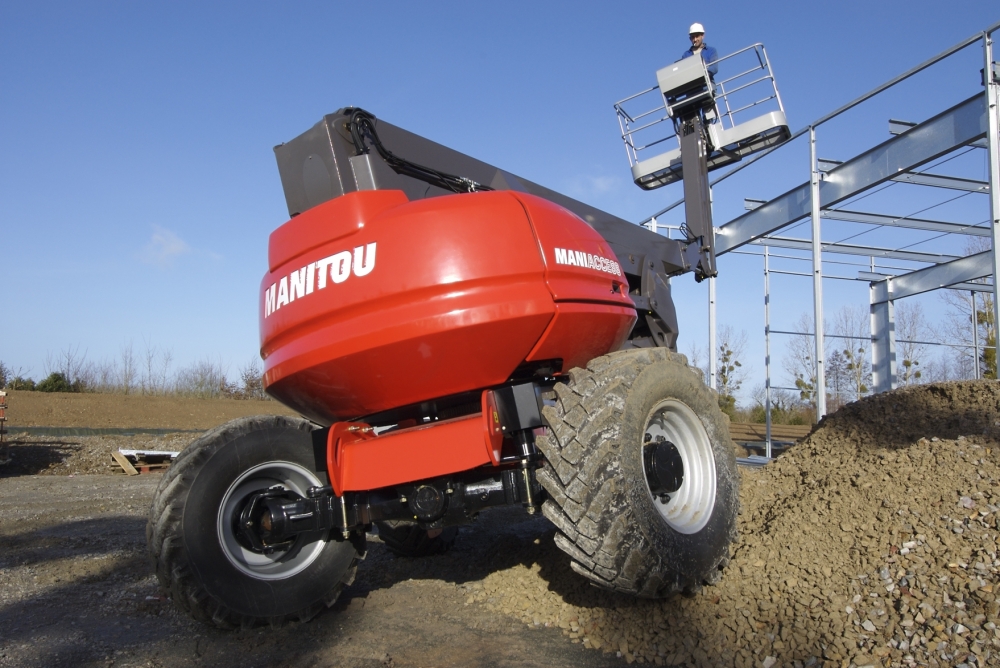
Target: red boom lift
x=456, y=338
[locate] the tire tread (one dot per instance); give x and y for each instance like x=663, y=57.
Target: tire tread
x=586, y=502
x=170, y=559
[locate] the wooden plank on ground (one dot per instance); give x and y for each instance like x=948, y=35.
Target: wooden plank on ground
x=124, y=462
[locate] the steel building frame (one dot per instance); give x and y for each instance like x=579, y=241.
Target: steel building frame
x=972, y=122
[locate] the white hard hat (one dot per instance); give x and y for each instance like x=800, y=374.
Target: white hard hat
x=696, y=27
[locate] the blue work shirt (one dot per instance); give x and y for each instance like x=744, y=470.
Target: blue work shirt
x=708, y=56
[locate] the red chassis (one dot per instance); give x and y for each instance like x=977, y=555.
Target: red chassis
x=373, y=302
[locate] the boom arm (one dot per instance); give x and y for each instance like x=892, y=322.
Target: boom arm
x=325, y=162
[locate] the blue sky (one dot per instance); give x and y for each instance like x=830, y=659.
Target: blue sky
x=138, y=184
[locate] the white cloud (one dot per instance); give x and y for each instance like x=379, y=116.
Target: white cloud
x=584, y=186
x=163, y=248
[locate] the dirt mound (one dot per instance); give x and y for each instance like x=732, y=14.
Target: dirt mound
x=897, y=419
x=872, y=543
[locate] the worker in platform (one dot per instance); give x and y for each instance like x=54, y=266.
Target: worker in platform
x=696, y=33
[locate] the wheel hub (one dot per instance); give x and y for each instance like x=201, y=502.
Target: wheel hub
x=260, y=522
x=663, y=465
x=678, y=464
x=255, y=517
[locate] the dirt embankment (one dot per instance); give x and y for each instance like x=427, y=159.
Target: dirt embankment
x=57, y=409
x=79, y=455
x=873, y=542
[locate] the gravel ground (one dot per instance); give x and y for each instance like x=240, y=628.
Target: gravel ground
x=76, y=589
x=872, y=543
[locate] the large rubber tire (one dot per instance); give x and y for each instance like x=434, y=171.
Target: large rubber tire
x=191, y=539
x=407, y=539
x=617, y=534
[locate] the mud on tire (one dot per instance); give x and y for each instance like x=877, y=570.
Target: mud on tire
x=617, y=534
x=208, y=574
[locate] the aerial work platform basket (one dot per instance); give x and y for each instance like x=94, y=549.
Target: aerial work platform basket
x=740, y=107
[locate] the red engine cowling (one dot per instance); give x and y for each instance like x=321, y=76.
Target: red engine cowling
x=374, y=302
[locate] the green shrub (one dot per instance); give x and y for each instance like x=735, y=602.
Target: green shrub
x=57, y=382
x=19, y=383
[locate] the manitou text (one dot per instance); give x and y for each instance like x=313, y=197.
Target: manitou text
x=315, y=275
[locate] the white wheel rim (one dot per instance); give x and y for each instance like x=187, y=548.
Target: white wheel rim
x=690, y=507
x=278, y=565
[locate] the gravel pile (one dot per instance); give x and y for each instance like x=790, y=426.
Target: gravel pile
x=874, y=542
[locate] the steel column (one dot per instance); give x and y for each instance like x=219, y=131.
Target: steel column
x=993, y=140
x=767, y=356
x=975, y=334
x=883, y=328
x=817, y=260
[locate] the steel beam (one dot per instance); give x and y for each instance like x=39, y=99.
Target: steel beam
x=965, y=269
x=850, y=249
x=899, y=127
x=902, y=221
x=949, y=182
x=962, y=124
x=972, y=287
x=920, y=179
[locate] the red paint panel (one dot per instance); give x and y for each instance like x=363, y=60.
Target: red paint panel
x=593, y=274
x=357, y=460
x=332, y=220
x=579, y=332
x=373, y=302
x=453, y=299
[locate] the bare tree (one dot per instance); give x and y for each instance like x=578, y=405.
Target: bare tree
x=251, y=378
x=852, y=327
x=205, y=379
x=128, y=370
x=155, y=373
x=968, y=310
x=147, y=383
x=163, y=375
x=732, y=373
x=799, y=359
x=838, y=380
x=71, y=364
x=9, y=374
x=785, y=406
x=911, y=328
x=695, y=353
x=105, y=377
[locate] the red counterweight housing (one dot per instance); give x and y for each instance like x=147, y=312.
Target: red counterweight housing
x=373, y=302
